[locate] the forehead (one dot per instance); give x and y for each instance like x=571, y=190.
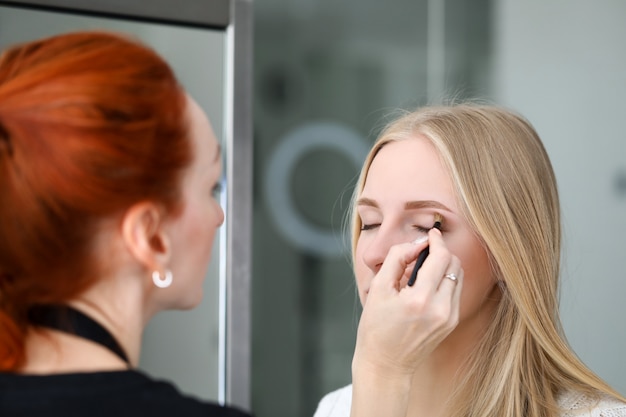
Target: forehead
x=406, y=170
x=204, y=141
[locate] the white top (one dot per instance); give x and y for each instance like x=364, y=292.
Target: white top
x=337, y=404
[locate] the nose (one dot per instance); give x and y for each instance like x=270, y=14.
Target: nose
x=378, y=246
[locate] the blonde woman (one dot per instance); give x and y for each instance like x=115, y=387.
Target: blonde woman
x=478, y=334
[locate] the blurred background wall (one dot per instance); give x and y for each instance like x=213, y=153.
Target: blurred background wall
x=328, y=74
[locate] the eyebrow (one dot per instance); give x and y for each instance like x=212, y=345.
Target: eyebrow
x=409, y=205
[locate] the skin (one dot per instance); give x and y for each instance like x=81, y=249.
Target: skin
x=415, y=338
x=143, y=240
x=193, y=233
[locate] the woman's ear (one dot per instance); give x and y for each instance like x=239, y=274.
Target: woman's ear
x=145, y=236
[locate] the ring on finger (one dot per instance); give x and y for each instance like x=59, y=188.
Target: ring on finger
x=451, y=277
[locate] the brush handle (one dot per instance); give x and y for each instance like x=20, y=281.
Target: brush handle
x=422, y=256
x=418, y=264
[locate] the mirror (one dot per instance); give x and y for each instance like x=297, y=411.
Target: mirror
x=187, y=348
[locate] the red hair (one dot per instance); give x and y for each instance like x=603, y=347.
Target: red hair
x=90, y=123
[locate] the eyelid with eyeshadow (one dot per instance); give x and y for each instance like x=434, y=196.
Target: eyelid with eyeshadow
x=439, y=223
x=370, y=226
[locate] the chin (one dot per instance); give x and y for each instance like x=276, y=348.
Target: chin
x=193, y=304
x=190, y=302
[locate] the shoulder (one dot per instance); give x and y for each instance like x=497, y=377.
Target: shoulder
x=101, y=394
x=577, y=404
x=336, y=403
x=163, y=398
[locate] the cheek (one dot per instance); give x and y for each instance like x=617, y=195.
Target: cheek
x=206, y=233
x=362, y=281
x=200, y=230
x=362, y=274
x=478, y=278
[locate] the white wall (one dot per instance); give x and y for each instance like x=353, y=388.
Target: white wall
x=562, y=64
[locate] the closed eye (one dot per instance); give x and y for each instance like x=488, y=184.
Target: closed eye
x=366, y=227
x=217, y=189
x=422, y=229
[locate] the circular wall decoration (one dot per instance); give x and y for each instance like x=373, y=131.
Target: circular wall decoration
x=291, y=224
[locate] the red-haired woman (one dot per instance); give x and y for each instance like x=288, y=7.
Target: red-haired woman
x=107, y=216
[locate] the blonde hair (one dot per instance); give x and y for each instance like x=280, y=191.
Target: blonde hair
x=506, y=191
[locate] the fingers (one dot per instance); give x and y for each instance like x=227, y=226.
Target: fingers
x=396, y=263
x=456, y=298
x=439, y=284
x=400, y=327
x=453, y=277
x=431, y=279
x=439, y=262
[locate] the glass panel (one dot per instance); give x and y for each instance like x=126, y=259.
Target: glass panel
x=327, y=74
x=182, y=347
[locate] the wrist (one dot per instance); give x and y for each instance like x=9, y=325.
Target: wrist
x=369, y=364
x=379, y=390
x=380, y=372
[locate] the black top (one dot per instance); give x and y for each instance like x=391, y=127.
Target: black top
x=100, y=394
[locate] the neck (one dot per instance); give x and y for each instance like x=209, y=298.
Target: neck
x=124, y=329
x=119, y=306
x=115, y=304
x=434, y=383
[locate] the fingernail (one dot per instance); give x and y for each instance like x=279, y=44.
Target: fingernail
x=420, y=240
